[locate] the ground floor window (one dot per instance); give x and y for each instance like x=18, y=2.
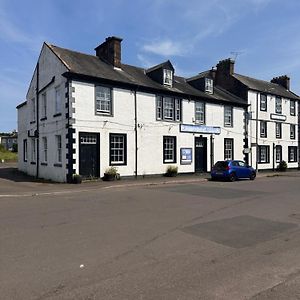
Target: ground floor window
x=169, y=149
x=25, y=152
x=263, y=154
x=58, y=148
x=278, y=153
x=292, y=153
x=45, y=149
x=228, y=149
x=33, y=154
x=117, y=149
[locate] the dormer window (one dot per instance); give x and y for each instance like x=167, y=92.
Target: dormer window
x=209, y=86
x=168, y=77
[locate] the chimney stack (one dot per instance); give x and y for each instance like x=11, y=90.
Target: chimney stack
x=110, y=51
x=226, y=67
x=283, y=81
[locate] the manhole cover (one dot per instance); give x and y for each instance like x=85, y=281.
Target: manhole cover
x=239, y=232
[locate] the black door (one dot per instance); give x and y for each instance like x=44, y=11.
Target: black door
x=89, y=154
x=200, y=154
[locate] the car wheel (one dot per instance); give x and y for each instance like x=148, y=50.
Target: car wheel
x=252, y=176
x=232, y=177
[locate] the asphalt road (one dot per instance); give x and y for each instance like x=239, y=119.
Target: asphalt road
x=193, y=240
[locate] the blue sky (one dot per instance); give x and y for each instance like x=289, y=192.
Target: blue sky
x=193, y=34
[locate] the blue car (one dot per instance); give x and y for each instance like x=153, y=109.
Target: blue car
x=232, y=170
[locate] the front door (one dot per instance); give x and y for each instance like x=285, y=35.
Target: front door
x=200, y=154
x=89, y=154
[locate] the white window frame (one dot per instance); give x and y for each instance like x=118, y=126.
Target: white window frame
x=169, y=149
x=278, y=130
x=117, y=149
x=292, y=131
x=228, y=116
x=103, y=100
x=209, y=85
x=33, y=150
x=58, y=100
x=263, y=102
x=33, y=110
x=292, y=154
x=263, y=129
x=45, y=149
x=228, y=149
x=292, y=107
x=58, y=148
x=44, y=105
x=199, y=112
x=167, y=77
x=278, y=105
x=278, y=153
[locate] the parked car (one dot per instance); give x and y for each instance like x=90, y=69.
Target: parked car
x=232, y=170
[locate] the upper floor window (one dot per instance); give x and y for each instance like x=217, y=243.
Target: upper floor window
x=228, y=120
x=278, y=105
x=168, y=108
x=44, y=106
x=103, y=100
x=33, y=109
x=263, y=129
x=263, y=102
x=200, y=112
x=209, y=86
x=278, y=130
x=57, y=100
x=168, y=77
x=292, y=131
x=292, y=107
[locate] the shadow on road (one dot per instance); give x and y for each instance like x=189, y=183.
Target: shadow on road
x=13, y=174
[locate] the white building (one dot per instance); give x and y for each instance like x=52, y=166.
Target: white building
x=84, y=113
x=272, y=132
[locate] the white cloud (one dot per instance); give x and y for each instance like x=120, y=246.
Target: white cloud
x=165, y=47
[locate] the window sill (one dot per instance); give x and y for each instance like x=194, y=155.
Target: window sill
x=44, y=164
x=33, y=163
x=57, y=165
x=107, y=114
x=117, y=164
x=57, y=115
x=43, y=119
x=169, y=162
x=32, y=122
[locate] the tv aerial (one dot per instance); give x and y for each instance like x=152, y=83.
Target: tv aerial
x=235, y=54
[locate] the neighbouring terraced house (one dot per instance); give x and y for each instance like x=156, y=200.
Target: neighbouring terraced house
x=84, y=113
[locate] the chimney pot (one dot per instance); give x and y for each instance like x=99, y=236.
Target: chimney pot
x=283, y=80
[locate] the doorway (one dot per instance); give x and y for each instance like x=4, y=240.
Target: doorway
x=89, y=154
x=200, y=154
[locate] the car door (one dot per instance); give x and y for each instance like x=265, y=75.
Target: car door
x=243, y=169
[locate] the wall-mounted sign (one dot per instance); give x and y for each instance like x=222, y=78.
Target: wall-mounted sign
x=200, y=129
x=278, y=117
x=185, y=156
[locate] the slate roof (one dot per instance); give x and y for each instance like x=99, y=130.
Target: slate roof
x=265, y=86
x=90, y=65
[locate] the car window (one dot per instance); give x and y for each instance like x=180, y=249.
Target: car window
x=221, y=164
x=242, y=164
x=234, y=164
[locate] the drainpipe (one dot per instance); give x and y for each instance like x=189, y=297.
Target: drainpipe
x=211, y=151
x=37, y=120
x=256, y=133
x=274, y=157
x=135, y=134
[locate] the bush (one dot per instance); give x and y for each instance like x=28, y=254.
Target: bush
x=171, y=171
x=282, y=166
x=110, y=174
x=14, y=148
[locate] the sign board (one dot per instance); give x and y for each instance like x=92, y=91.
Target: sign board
x=200, y=129
x=278, y=117
x=185, y=156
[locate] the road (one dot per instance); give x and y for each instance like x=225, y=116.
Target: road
x=193, y=240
